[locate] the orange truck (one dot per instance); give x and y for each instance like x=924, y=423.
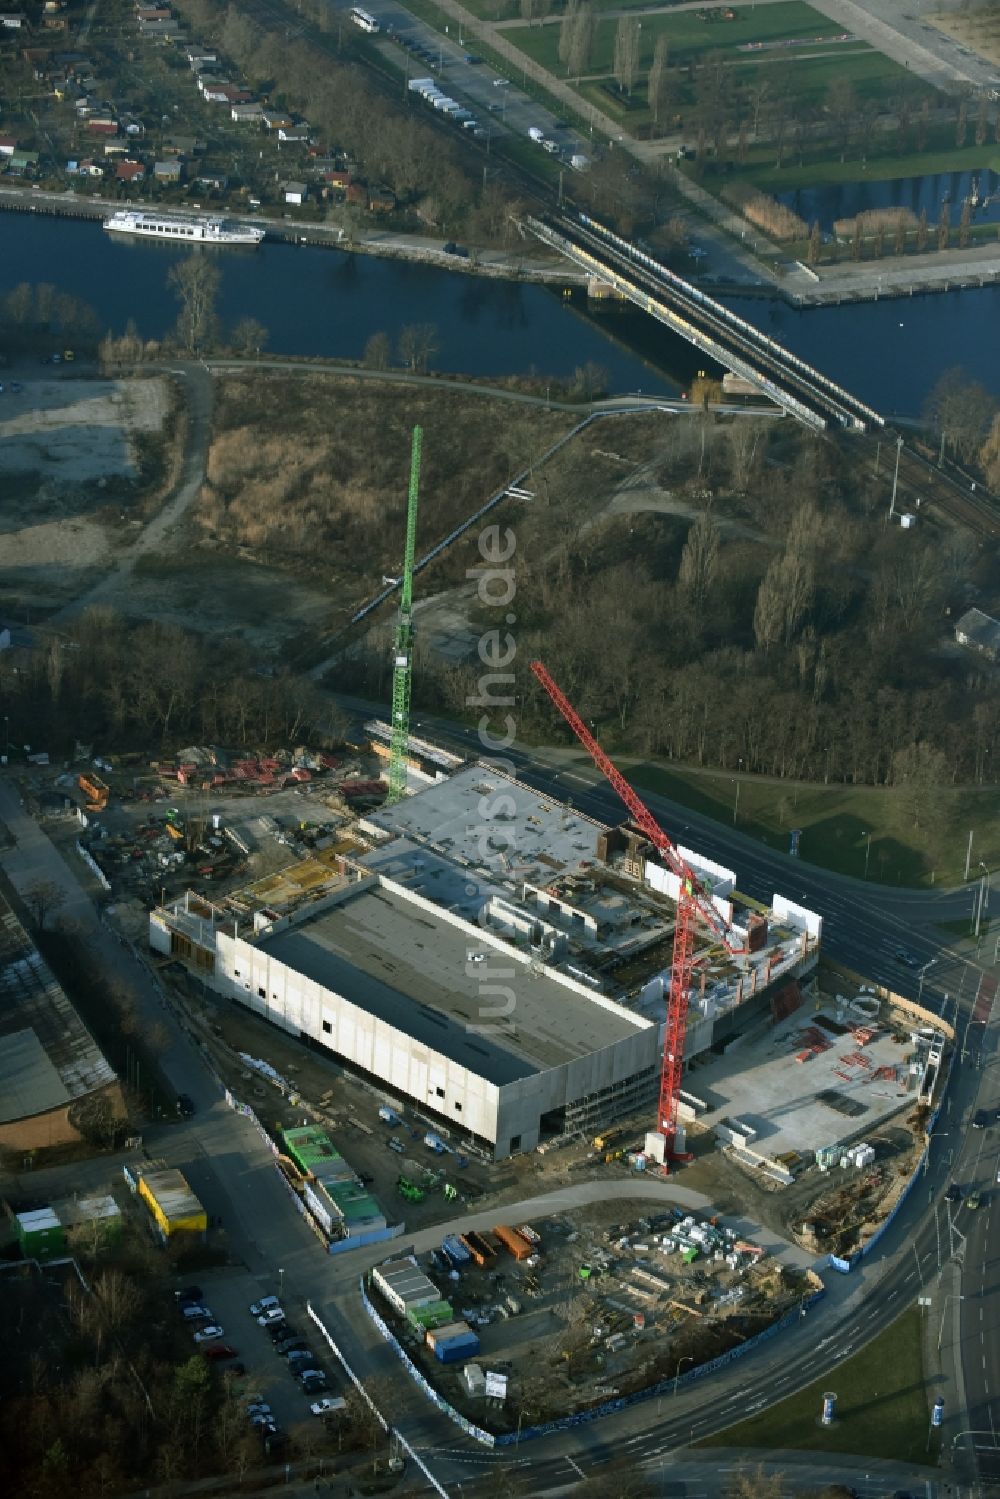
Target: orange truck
x=513, y=1242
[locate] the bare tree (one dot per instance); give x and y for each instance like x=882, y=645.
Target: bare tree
x=626, y=59
x=378, y=352
x=417, y=343
x=43, y=898
x=249, y=336
x=700, y=559
x=566, y=29
x=581, y=41
x=659, y=85
x=195, y=283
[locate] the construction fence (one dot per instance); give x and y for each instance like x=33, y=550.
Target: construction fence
x=597, y=1412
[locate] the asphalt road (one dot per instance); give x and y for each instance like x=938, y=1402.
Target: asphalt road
x=232, y=1170
x=496, y=102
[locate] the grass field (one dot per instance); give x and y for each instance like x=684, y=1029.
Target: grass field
x=690, y=38
x=835, y=822
x=760, y=169
x=882, y=1405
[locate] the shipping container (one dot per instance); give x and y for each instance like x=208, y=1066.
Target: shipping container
x=175, y=1208
x=40, y=1234
x=454, y=1353
x=455, y=1251
x=512, y=1241
x=479, y=1248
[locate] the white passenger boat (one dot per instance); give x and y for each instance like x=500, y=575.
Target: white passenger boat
x=187, y=230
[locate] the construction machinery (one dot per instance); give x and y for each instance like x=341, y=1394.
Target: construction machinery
x=402, y=652
x=95, y=790
x=693, y=901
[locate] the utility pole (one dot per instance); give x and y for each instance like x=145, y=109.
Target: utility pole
x=895, y=478
x=968, y=855
x=403, y=642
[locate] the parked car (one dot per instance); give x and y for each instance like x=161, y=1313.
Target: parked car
x=291, y=1344
x=278, y=1331
x=185, y=1105
x=312, y=1379
x=258, y=1407
x=210, y=1333
x=328, y=1405
x=300, y=1356
x=195, y=1313
x=190, y=1293
x=273, y=1314
x=219, y=1353
x=265, y=1304
x=981, y=1118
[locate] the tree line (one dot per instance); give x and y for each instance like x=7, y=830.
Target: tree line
x=149, y=684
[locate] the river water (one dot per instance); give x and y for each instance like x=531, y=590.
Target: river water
x=328, y=302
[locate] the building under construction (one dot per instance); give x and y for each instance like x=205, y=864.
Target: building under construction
x=505, y=974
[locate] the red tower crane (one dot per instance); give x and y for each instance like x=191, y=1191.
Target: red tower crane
x=693, y=901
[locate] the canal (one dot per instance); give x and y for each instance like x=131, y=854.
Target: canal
x=327, y=303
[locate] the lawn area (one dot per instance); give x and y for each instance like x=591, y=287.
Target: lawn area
x=760, y=169
x=882, y=1405
x=835, y=822
x=690, y=38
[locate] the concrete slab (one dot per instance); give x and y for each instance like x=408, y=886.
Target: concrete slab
x=829, y=1096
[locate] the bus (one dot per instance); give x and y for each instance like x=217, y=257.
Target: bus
x=364, y=20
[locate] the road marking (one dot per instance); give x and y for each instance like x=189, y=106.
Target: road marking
x=576, y=1467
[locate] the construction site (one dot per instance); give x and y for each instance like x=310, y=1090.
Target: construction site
x=513, y=974
x=526, y=1322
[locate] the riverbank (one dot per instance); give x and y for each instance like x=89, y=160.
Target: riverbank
x=536, y=267
x=798, y=285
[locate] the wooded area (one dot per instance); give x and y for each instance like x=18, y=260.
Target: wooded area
x=752, y=610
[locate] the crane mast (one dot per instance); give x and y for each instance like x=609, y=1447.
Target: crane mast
x=402, y=649
x=692, y=901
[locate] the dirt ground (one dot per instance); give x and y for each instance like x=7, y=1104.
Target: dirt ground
x=979, y=29
x=70, y=459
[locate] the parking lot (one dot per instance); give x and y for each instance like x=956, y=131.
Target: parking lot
x=228, y=1294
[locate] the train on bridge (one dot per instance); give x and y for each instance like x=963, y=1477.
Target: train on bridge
x=804, y=392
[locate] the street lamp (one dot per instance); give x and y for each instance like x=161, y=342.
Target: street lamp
x=736, y=778
x=281, y=1283
x=926, y=969
x=687, y=1359
x=868, y=850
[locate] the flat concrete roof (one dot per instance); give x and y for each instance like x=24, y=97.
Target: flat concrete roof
x=826, y=1098
x=481, y=819
x=399, y=962
x=430, y=874
x=47, y=1055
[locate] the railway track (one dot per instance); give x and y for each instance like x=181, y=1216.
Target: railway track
x=806, y=393
x=920, y=479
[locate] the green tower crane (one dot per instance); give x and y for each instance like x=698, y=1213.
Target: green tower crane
x=403, y=641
